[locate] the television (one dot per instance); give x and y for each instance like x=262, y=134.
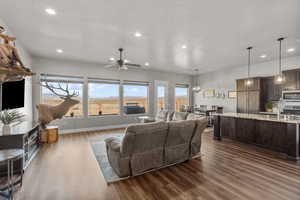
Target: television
x=12, y=94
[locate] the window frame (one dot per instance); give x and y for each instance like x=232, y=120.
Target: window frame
x=186, y=86
x=138, y=83
x=104, y=81
x=64, y=79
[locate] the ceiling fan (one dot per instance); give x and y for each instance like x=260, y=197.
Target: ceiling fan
x=122, y=64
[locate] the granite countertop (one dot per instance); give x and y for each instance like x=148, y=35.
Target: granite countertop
x=257, y=117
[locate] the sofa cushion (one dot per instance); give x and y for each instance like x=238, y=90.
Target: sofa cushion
x=179, y=116
x=145, y=144
x=170, y=116
x=177, y=147
x=161, y=115
x=191, y=116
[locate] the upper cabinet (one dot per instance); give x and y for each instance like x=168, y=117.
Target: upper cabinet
x=249, y=97
x=241, y=84
x=292, y=80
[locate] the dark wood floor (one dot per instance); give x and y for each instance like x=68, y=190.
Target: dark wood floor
x=227, y=170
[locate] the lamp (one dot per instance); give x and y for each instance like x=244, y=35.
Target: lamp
x=279, y=79
x=249, y=81
x=197, y=87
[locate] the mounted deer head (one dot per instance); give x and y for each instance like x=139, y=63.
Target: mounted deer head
x=48, y=113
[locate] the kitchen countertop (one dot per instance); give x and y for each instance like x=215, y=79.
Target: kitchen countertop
x=257, y=117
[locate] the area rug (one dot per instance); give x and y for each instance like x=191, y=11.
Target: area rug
x=99, y=150
x=109, y=174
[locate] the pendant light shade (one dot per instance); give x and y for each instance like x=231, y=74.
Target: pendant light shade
x=279, y=78
x=249, y=80
x=197, y=87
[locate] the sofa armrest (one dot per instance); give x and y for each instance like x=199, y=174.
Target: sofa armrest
x=119, y=163
x=113, y=143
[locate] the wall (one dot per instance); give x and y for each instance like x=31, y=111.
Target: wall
x=75, y=68
x=225, y=80
x=27, y=60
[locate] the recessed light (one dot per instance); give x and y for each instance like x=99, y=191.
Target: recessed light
x=111, y=59
x=59, y=51
x=137, y=34
x=184, y=46
x=147, y=64
x=263, y=56
x=50, y=11
x=291, y=50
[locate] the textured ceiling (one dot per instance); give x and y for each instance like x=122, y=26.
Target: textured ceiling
x=215, y=32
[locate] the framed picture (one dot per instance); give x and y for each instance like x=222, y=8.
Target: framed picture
x=231, y=94
x=209, y=93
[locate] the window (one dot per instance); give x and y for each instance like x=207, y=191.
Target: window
x=161, y=100
x=73, y=84
x=103, y=98
x=135, y=97
x=181, y=96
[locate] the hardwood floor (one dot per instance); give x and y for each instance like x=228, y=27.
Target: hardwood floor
x=227, y=170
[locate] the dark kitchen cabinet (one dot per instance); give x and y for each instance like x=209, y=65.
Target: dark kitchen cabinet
x=249, y=98
x=254, y=101
x=241, y=102
x=290, y=80
x=272, y=135
x=241, y=84
x=227, y=125
x=245, y=130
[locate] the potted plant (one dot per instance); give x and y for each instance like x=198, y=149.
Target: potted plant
x=269, y=107
x=9, y=117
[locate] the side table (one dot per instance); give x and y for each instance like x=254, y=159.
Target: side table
x=50, y=134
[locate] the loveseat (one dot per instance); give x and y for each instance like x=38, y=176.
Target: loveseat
x=154, y=145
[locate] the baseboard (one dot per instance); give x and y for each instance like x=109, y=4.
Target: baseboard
x=100, y=128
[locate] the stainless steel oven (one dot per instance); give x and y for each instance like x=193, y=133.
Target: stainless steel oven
x=291, y=95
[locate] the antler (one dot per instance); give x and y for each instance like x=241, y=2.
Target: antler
x=66, y=90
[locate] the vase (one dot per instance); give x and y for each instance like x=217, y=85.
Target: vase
x=6, y=129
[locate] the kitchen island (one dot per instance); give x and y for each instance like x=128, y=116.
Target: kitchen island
x=279, y=135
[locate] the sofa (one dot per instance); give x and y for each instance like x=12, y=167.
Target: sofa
x=154, y=145
x=165, y=115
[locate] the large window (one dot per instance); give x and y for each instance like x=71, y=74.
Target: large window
x=60, y=85
x=135, y=97
x=104, y=98
x=181, y=96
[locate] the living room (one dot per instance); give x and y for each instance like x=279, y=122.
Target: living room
x=149, y=99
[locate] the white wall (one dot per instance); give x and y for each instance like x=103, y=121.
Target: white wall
x=27, y=60
x=76, y=68
x=225, y=80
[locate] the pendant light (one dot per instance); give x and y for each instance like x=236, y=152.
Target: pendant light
x=197, y=87
x=279, y=78
x=249, y=81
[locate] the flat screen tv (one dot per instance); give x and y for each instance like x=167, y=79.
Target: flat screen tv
x=13, y=94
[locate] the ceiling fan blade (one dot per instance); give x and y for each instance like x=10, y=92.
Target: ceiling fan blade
x=133, y=65
x=109, y=66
